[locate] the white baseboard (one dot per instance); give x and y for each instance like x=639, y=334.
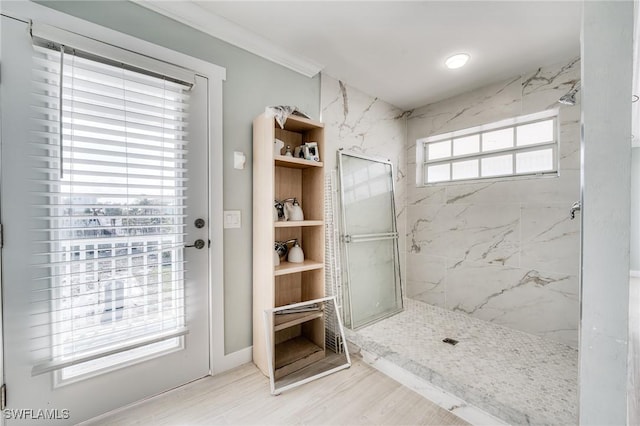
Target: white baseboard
x=634, y=274
x=233, y=360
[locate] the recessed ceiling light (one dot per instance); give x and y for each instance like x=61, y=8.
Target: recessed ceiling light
x=456, y=61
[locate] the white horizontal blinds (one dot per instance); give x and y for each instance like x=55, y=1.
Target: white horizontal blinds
x=109, y=207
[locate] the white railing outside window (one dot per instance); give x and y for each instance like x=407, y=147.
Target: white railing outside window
x=521, y=146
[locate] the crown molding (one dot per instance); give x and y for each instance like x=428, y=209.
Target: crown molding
x=195, y=16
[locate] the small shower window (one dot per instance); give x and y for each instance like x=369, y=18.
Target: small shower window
x=519, y=146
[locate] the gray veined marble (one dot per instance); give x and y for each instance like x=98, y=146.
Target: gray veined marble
x=493, y=264
x=517, y=377
x=549, y=238
x=541, y=87
x=364, y=124
x=501, y=250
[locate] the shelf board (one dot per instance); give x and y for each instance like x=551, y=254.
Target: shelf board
x=294, y=354
x=283, y=321
x=291, y=268
x=294, y=224
x=297, y=123
x=296, y=163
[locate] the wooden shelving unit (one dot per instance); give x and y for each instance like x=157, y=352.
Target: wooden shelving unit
x=291, y=268
x=296, y=163
x=289, y=320
x=297, y=339
x=294, y=224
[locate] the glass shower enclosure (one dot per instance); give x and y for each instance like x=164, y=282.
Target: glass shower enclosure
x=369, y=239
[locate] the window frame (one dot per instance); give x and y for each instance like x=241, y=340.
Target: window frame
x=29, y=12
x=422, y=146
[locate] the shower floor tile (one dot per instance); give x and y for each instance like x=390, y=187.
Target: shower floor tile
x=515, y=376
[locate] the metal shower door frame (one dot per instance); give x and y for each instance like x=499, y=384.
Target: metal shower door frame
x=348, y=239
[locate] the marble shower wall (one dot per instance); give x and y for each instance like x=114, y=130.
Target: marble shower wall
x=504, y=251
x=364, y=124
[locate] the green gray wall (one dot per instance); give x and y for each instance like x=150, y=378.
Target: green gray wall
x=252, y=83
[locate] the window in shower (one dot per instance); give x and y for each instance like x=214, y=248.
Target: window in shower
x=520, y=146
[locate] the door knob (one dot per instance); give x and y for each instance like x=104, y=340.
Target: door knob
x=199, y=223
x=199, y=244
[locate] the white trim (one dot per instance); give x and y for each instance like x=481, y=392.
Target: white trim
x=27, y=11
x=218, y=359
x=422, y=163
x=233, y=360
x=634, y=274
x=195, y=16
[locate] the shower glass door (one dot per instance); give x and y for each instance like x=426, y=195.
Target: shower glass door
x=369, y=240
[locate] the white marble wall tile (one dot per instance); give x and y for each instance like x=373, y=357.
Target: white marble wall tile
x=542, y=88
x=466, y=241
x=471, y=287
x=562, y=189
x=430, y=195
x=485, y=105
x=549, y=239
x=537, y=302
x=365, y=124
x=570, y=144
x=542, y=303
x=429, y=228
x=485, y=233
x=498, y=236
x=426, y=278
x=361, y=123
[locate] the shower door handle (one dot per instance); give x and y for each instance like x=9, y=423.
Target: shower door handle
x=363, y=238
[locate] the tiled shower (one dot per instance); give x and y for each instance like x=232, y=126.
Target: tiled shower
x=497, y=261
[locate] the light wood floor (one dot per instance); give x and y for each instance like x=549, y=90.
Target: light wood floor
x=358, y=395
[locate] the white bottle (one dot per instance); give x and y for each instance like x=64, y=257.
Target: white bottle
x=293, y=211
x=296, y=255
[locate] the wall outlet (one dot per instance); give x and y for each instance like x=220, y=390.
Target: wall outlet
x=232, y=219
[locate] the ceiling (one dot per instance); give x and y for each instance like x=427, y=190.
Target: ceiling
x=394, y=50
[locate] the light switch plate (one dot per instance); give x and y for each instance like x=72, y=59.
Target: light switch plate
x=232, y=219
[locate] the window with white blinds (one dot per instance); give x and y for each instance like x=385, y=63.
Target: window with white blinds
x=110, y=198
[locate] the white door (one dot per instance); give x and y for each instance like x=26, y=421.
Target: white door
x=102, y=303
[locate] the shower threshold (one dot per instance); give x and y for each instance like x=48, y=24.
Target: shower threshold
x=492, y=375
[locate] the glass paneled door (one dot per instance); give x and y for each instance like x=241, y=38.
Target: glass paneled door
x=105, y=266
x=370, y=240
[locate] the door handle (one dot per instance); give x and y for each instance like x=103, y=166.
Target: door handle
x=365, y=238
x=199, y=244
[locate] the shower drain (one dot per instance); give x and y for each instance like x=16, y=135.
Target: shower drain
x=450, y=341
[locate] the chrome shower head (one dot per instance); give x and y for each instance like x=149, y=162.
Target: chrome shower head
x=569, y=98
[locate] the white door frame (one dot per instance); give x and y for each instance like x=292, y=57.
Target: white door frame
x=28, y=11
